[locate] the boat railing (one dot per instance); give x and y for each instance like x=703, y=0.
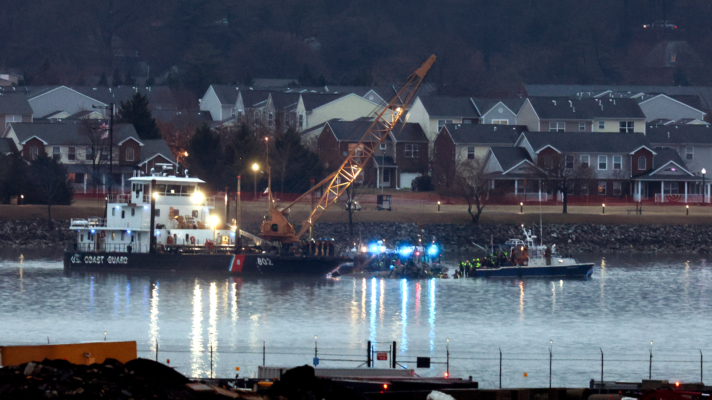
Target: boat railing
x=119, y=198
x=91, y=222
x=111, y=247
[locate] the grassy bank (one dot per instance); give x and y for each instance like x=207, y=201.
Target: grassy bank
x=415, y=213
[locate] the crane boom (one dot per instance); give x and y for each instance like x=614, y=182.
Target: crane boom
x=276, y=226
x=361, y=154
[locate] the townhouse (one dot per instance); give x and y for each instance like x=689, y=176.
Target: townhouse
x=14, y=107
x=396, y=162
x=84, y=149
x=456, y=143
x=582, y=115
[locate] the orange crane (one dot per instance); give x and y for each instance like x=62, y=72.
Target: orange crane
x=276, y=227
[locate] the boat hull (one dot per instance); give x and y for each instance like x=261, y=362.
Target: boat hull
x=239, y=264
x=560, y=271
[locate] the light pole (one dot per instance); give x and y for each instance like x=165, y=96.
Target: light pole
x=650, y=367
x=255, y=167
x=704, y=189
x=110, y=107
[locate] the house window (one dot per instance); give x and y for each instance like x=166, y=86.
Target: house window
x=617, y=188
x=89, y=154
x=471, y=153
x=500, y=121
x=617, y=162
x=689, y=153
x=584, y=189
x=641, y=163
x=601, y=125
x=239, y=117
x=603, y=162
x=383, y=146
x=270, y=120
x=672, y=188
x=442, y=122
x=582, y=126
x=34, y=152
x=105, y=154
x=548, y=162
x=601, y=188
x=129, y=154
x=626, y=127
x=569, y=162
x=56, y=154
x=557, y=126
x=412, y=151
x=301, y=120
x=257, y=117
x=585, y=161
x=71, y=153
x=12, y=118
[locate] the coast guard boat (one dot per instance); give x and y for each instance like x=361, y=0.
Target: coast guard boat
x=167, y=223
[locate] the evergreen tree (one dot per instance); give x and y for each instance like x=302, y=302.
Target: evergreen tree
x=242, y=152
x=293, y=165
x=205, y=155
x=51, y=183
x=116, y=79
x=136, y=112
x=103, y=80
x=14, y=180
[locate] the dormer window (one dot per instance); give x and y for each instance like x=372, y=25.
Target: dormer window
x=129, y=154
x=34, y=152
x=642, y=163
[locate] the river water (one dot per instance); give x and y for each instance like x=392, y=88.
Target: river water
x=629, y=302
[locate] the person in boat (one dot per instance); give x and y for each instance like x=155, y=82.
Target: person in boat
x=513, y=257
x=525, y=256
x=547, y=255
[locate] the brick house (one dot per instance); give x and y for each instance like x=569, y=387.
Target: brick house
x=84, y=149
x=458, y=142
x=398, y=160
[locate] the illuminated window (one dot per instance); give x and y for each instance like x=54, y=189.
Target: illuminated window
x=602, y=188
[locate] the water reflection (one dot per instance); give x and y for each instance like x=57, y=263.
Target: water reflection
x=372, y=325
x=431, y=313
x=213, y=318
x=521, y=300
x=196, y=336
x=153, y=327
x=404, y=315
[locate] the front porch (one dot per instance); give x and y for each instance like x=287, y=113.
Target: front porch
x=676, y=190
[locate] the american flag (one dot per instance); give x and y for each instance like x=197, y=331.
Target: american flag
x=105, y=128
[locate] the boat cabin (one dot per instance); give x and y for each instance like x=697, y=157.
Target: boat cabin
x=183, y=218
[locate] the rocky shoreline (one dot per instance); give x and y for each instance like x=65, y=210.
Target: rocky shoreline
x=570, y=238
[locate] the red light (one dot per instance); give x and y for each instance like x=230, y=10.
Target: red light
x=447, y=375
x=385, y=386
x=677, y=384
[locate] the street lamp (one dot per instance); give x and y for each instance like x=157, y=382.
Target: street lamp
x=521, y=207
x=438, y=205
x=704, y=190
x=255, y=167
x=603, y=208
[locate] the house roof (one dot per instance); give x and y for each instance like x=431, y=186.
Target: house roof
x=586, y=109
x=154, y=147
x=593, y=142
x=226, y=94
x=181, y=118
x=484, y=133
x=664, y=156
x=67, y=133
x=316, y=100
x=14, y=103
x=508, y=157
x=485, y=105
x=352, y=131
x=446, y=106
x=7, y=146
x=679, y=134
x=409, y=132
x=703, y=93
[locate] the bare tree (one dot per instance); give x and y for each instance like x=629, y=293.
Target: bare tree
x=474, y=185
x=563, y=173
x=96, y=152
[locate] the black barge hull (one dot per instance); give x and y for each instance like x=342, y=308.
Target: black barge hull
x=235, y=264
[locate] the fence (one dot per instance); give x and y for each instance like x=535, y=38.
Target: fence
x=496, y=368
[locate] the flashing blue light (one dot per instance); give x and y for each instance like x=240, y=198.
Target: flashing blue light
x=373, y=248
x=406, y=251
x=232, y=234
x=158, y=233
x=433, y=250
x=92, y=231
x=382, y=249
x=129, y=231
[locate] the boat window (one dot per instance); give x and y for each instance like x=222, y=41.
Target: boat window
x=122, y=236
x=195, y=213
x=81, y=238
x=139, y=236
x=173, y=190
x=113, y=235
x=157, y=212
x=188, y=189
x=113, y=212
x=160, y=189
x=133, y=211
x=123, y=214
